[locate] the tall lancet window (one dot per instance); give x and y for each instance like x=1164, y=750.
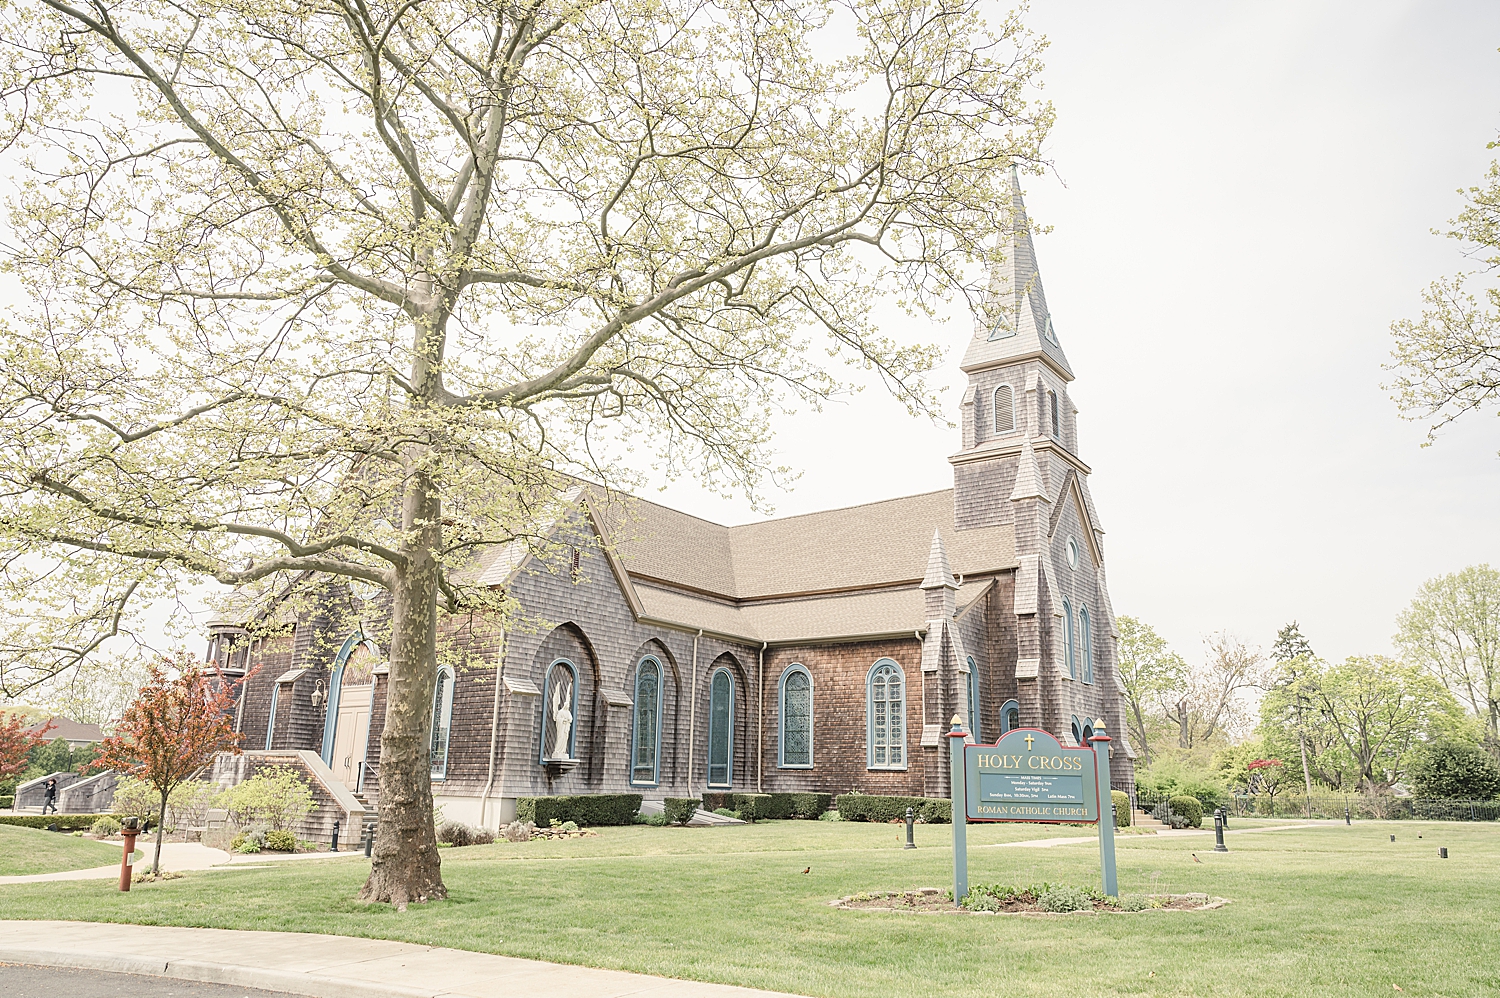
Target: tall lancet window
x=885, y=704
x=646, y=730
x=796, y=719
x=1056, y=417
x=1086, y=631
x=1005, y=409
x=1070, y=639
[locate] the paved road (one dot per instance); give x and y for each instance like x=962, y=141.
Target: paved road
x=19, y=981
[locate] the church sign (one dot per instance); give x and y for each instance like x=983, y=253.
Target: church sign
x=1028, y=775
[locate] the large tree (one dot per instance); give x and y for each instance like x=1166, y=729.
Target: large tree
x=1452, y=628
x=1378, y=710
x=1214, y=698
x=1447, y=363
x=1150, y=673
x=347, y=288
x=1293, y=657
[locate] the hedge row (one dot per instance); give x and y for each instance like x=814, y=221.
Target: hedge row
x=759, y=807
x=7, y=801
x=581, y=809
x=1189, y=807
x=875, y=807
x=1122, y=808
x=64, y=822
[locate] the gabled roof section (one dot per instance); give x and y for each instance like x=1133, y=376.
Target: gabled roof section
x=1022, y=325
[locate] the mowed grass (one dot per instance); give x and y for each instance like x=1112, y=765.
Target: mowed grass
x=1318, y=910
x=24, y=851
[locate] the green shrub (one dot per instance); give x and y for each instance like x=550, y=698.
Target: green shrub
x=679, y=810
x=106, y=825
x=715, y=799
x=585, y=809
x=1456, y=771
x=7, y=800
x=726, y=812
x=753, y=807
x=655, y=820
x=248, y=846
x=236, y=842
x=1189, y=807
x=1132, y=902
x=1122, y=808
x=64, y=822
x=276, y=796
x=877, y=807
x=281, y=841
x=1064, y=898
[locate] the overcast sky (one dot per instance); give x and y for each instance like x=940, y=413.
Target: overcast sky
x=1244, y=201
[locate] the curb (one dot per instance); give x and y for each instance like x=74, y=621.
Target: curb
x=210, y=973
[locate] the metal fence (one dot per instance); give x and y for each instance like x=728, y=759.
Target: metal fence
x=1365, y=806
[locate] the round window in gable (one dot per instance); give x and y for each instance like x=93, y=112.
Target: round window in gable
x=1072, y=552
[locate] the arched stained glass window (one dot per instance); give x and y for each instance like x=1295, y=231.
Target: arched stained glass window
x=1010, y=716
x=796, y=719
x=645, y=736
x=974, y=700
x=1005, y=409
x=1086, y=632
x=1070, y=650
x=721, y=729
x=271, y=723
x=442, y=721
x=886, y=710
x=1077, y=731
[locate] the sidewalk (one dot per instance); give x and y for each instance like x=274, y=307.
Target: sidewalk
x=324, y=966
x=178, y=856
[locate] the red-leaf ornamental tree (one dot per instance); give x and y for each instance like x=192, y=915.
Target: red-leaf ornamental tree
x=16, y=741
x=336, y=288
x=174, y=728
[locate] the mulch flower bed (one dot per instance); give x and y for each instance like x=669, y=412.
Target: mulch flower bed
x=933, y=901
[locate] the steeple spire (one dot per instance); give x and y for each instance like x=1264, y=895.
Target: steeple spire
x=938, y=575
x=1020, y=326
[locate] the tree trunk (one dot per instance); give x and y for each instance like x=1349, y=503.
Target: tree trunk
x=161, y=829
x=405, y=864
x=1184, y=733
x=1306, y=775
x=1140, y=723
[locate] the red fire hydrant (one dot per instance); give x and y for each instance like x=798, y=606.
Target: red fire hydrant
x=131, y=828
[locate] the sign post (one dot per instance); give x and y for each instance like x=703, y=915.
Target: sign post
x=1028, y=775
x=960, y=826
x=1100, y=742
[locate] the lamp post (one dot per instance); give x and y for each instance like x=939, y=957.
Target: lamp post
x=1219, y=830
x=911, y=821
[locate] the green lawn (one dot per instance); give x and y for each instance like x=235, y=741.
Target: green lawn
x=24, y=851
x=1321, y=910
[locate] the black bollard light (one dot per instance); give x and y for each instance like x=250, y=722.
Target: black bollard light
x=369, y=838
x=1393, y=838
x=1346, y=815
x=1219, y=831
x=1225, y=812
x=911, y=824
x=335, y=846
x=1442, y=852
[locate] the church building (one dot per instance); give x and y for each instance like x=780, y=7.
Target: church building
x=823, y=652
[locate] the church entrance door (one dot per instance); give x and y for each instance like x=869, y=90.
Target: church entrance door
x=352, y=734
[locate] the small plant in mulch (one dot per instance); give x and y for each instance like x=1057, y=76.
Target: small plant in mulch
x=147, y=878
x=1037, y=899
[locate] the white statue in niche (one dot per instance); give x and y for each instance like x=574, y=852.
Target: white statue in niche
x=562, y=717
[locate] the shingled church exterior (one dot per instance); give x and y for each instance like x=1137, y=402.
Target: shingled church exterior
x=820, y=652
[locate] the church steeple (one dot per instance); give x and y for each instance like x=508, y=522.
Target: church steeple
x=1020, y=326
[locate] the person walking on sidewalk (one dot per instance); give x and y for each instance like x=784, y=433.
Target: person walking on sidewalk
x=49, y=796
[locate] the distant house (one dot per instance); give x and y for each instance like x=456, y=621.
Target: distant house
x=75, y=733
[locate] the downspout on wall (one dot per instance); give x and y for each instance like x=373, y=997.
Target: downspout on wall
x=489, y=782
x=760, y=727
x=693, y=714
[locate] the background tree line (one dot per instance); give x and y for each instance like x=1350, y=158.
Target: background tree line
x=1426, y=721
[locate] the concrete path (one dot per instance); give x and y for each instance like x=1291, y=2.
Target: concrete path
x=178, y=856
x=325, y=966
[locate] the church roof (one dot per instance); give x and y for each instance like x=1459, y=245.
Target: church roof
x=857, y=547
x=838, y=573
x=1021, y=327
